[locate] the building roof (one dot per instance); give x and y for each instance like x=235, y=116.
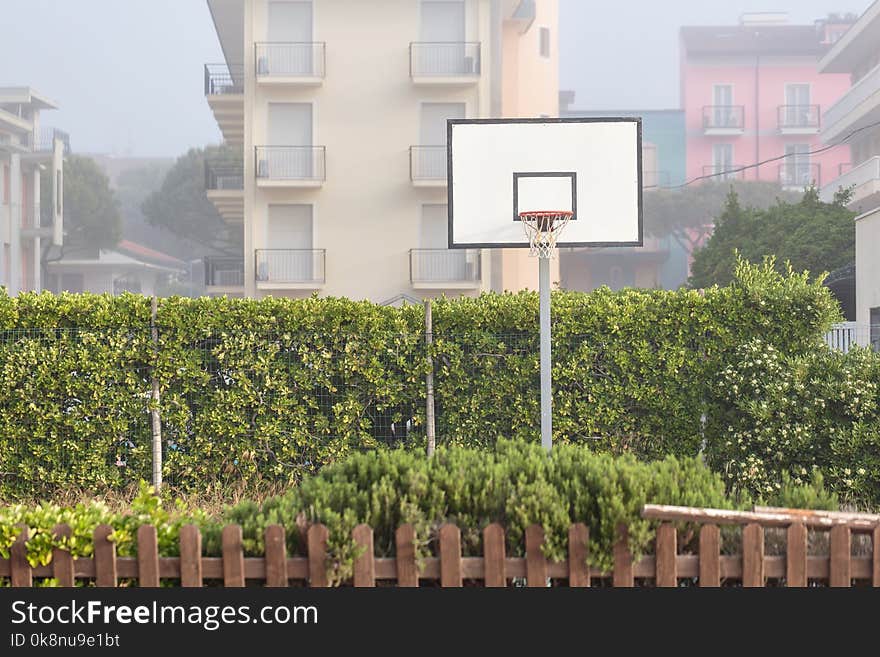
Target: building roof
x=25, y=96
x=147, y=254
x=753, y=39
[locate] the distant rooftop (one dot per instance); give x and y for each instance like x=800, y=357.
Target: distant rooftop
x=25, y=96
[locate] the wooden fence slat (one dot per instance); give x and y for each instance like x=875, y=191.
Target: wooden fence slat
x=450, y=556
x=276, y=556
x=753, y=555
x=105, y=557
x=796, y=556
x=494, y=556
x=317, y=541
x=840, y=566
x=536, y=562
x=623, y=562
x=578, y=553
x=667, y=551
x=190, y=556
x=233, y=557
x=62, y=560
x=407, y=570
x=148, y=557
x=710, y=556
x=22, y=576
x=364, y=565
x=875, y=551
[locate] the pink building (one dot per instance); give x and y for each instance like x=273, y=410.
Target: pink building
x=752, y=92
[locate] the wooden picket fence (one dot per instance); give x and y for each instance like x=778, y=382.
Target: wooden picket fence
x=665, y=568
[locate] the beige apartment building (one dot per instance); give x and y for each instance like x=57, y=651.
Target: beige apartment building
x=857, y=116
x=340, y=109
x=27, y=150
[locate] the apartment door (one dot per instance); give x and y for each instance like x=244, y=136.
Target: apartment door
x=290, y=51
x=289, y=235
x=797, y=105
x=722, y=160
x=436, y=261
x=290, y=155
x=432, y=137
x=443, y=33
x=797, y=171
x=723, y=113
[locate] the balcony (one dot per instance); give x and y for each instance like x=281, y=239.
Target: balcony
x=44, y=141
x=451, y=63
x=719, y=172
x=224, y=187
x=856, y=108
x=224, y=91
x=295, y=269
x=864, y=180
x=797, y=176
x=445, y=269
x=290, y=63
x=427, y=166
x=724, y=119
x=290, y=166
x=798, y=119
x=224, y=272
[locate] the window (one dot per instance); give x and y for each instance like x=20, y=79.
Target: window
x=722, y=160
x=796, y=171
x=723, y=113
x=797, y=106
x=544, y=41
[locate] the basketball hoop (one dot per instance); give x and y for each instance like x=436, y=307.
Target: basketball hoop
x=542, y=229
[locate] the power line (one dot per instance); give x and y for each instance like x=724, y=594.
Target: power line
x=817, y=151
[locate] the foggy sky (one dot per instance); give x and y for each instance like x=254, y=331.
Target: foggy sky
x=128, y=73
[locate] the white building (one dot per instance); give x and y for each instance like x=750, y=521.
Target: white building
x=340, y=108
x=857, y=116
x=27, y=151
x=126, y=267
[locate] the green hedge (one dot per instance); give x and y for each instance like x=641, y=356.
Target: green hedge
x=275, y=388
x=516, y=484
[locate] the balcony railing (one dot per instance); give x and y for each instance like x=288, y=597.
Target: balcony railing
x=290, y=266
x=724, y=171
x=44, y=141
x=427, y=163
x=291, y=163
x=835, y=119
x=224, y=176
x=444, y=266
x=724, y=117
x=290, y=60
x=799, y=175
x=866, y=172
x=221, y=79
x=223, y=271
x=444, y=60
x=798, y=117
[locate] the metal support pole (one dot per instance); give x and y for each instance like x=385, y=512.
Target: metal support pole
x=546, y=380
x=155, y=420
x=429, y=381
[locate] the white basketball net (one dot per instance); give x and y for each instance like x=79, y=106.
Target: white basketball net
x=542, y=229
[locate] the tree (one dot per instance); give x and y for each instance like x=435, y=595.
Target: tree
x=811, y=235
x=688, y=214
x=181, y=206
x=92, y=219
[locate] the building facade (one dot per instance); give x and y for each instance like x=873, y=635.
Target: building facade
x=857, y=116
x=340, y=110
x=31, y=218
x=856, y=55
x=752, y=92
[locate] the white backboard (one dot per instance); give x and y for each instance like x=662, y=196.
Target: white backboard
x=498, y=168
